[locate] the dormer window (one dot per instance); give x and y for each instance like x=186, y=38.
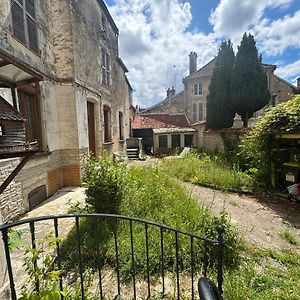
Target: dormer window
x=24, y=27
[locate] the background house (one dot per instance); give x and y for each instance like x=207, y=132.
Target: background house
x=163, y=133
x=61, y=73
x=192, y=100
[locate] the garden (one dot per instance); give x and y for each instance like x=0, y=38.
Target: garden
x=156, y=193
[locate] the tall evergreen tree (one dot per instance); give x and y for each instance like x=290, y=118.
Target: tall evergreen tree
x=218, y=113
x=249, y=88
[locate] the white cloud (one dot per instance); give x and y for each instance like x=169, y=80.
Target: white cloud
x=232, y=18
x=275, y=36
x=154, y=38
x=289, y=72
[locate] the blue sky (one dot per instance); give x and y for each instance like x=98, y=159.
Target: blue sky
x=156, y=37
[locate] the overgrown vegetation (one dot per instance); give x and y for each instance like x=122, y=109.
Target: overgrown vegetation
x=209, y=170
x=147, y=194
x=264, y=274
x=258, y=143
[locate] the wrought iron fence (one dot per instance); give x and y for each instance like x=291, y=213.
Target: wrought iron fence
x=164, y=232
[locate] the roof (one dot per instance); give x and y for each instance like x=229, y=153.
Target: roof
x=8, y=113
x=173, y=130
x=108, y=16
x=286, y=82
x=155, y=121
x=206, y=70
x=199, y=123
x=163, y=102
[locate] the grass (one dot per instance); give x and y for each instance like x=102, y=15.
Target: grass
x=264, y=274
x=289, y=237
x=149, y=194
x=209, y=170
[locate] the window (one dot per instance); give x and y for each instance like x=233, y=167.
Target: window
x=175, y=138
x=198, y=89
x=24, y=25
x=105, y=68
x=2, y=132
x=121, y=126
x=188, y=140
x=198, y=111
x=29, y=110
x=107, y=124
x=162, y=141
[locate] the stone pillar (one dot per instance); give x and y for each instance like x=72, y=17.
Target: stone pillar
x=193, y=62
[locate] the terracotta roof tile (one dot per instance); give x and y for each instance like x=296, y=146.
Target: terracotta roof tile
x=156, y=121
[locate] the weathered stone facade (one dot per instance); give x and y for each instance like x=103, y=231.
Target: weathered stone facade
x=68, y=67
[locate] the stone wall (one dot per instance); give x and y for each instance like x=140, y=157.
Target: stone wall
x=213, y=141
x=11, y=201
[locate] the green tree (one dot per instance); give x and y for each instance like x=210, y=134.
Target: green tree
x=219, y=114
x=249, y=88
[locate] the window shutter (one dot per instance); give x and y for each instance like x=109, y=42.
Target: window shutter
x=32, y=34
x=18, y=20
x=30, y=8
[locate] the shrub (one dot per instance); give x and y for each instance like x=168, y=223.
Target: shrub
x=105, y=182
x=257, y=145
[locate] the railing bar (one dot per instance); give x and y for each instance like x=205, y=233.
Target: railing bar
x=177, y=265
x=8, y=264
x=64, y=216
x=132, y=259
x=220, y=230
x=117, y=261
x=147, y=254
x=192, y=266
x=33, y=245
x=205, y=263
x=80, y=260
x=162, y=260
x=98, y=259
x=58, y=258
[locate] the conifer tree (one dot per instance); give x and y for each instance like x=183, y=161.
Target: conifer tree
x=219, y=114
x=249, y=89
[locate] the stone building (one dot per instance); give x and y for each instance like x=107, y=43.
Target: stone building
x=60, y=69
x=192, y=100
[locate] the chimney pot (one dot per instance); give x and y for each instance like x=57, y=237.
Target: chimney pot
x=193, y=62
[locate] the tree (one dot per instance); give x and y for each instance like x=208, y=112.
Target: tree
x=249, y=88
x=219, y=114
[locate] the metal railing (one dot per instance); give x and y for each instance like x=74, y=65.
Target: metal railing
x=164, y=232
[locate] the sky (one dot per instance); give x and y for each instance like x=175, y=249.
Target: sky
x=156, y=37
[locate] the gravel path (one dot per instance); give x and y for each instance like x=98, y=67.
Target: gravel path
x=259, y=219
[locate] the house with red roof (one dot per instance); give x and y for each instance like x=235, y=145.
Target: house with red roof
x=163, y=133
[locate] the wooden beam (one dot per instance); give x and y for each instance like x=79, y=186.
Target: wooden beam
x=14, y=98
x=4, y=63
x=26, y=81
x=6, y=82
x=6, y=155
x=14, y=173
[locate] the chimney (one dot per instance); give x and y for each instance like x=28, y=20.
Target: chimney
x=193, y=62
x=298, y=83
x=172, y=91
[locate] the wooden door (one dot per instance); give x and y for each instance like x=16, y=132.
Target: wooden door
x=91, y=126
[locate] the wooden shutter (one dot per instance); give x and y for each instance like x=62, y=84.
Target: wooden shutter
x=18, y=22
x=31, y=25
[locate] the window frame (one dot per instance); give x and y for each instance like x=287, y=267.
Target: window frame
x=25, y=23
x=107, y=136
x=159, y=141
x=198, y=89
x=121, y=126
x=105, y=67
